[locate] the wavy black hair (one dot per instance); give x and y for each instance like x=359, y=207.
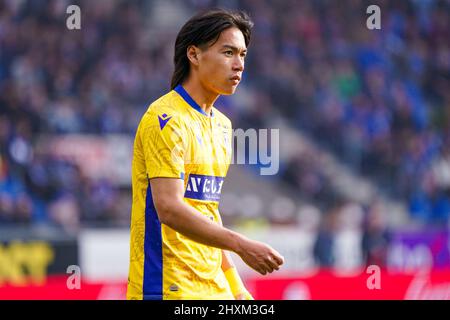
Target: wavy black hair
x=203, y=30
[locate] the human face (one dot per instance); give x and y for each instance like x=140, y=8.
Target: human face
x=220, y=66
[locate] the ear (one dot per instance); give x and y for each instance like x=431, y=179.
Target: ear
x=193, y=54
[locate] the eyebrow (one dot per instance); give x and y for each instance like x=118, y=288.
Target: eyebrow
x=233, y=48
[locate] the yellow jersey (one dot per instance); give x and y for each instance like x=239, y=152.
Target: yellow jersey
x=177, y=139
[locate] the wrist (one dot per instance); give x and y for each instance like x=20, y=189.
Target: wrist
x=237, y=243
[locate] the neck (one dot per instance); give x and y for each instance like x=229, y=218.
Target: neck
x=202, y=96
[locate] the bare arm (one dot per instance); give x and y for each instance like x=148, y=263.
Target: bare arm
x=172, y=211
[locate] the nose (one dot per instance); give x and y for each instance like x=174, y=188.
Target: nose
x=238, y=64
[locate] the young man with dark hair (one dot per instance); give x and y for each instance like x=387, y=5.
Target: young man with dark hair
x=182, y=151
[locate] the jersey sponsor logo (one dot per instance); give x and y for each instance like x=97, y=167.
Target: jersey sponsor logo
x=202, y=187
x=163, y=119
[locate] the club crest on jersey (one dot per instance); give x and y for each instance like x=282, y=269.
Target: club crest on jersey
x=226, y=138
x=202, y=187
x=163, y=119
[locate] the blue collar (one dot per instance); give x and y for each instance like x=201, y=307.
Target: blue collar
x=183, y=93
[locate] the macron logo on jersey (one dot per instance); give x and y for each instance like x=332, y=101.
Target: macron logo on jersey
x=163, y=119
x=202, y=187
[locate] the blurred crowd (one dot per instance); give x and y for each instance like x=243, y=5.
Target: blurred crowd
x=378, y=99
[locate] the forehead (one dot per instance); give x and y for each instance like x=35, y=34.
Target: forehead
x=232, y=37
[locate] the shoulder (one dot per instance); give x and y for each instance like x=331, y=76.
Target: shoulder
x=165, y=108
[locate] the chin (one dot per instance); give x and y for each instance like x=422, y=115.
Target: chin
x=228, y=91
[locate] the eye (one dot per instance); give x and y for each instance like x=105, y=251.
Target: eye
x=229, y=53
x=243, y=55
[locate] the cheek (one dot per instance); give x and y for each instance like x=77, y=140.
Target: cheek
x=215, y=71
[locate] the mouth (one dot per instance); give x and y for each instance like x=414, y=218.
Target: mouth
x=235, y=79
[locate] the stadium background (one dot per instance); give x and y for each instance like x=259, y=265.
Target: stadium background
x=364, y=122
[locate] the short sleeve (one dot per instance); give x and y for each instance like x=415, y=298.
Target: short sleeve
x=162, y=141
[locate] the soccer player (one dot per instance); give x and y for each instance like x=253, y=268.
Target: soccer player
x=182, y=151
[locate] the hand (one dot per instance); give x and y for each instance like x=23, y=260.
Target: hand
x=260, y=256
